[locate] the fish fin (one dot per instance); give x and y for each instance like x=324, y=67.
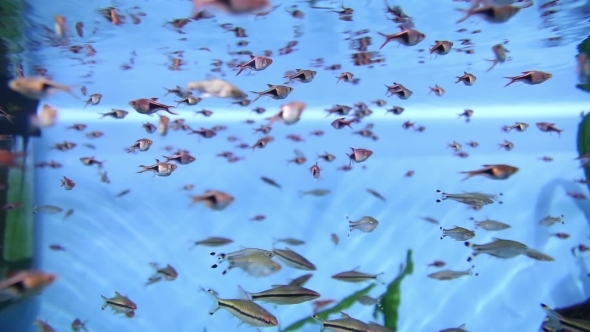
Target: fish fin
x=270, y=85
x=344, y=315
x=105, y=302
x=215, y=305
x=469, y=175
x=356, y=268
x=462, y=326
x=553, y=316
x=252, y=56
x=276, y=286
x=243, y=294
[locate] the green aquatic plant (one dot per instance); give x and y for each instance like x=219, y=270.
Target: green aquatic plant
x=18, y=232
x=391, y=300
x=11, y=29
x=584, y=140
x=584, y=47
x=346, y=303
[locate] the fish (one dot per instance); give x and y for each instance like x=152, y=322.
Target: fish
x=47, y=209
x=256, y=63
x=314, y=192
x=369, y=301
x=293, y=259
x=499, y=55
x=142, y=144
x=345, y=324
x=116, y=114
x=285, y=294
x=23, y=285
x=490, y=225
x=537, y=255
x=366, y=224
x=43, y=326
x=119, y=303
x=406, y=37
x=270, y=181
x=255, y=262
x=93, y=99
x=548, y=127
x=79, y=325
x=491, y=14
x=557, y=322
x=532, y=77
x=301, y=280
x=68, y=184
x=472, y=198
x=246, y=311
x=376, y=194
x=290, y=241
x=355, y=276
x=550, y=221
x=219, y=88
x=460, y=328
x=212, y=241
x=167, y=273
x=467, y=78
x=494, y=172
x=189, y=100
x=149, y=106
x=457, y=233
x=37, y=87
x=441, y=47
x=214, y=199
x=359, y=155
x=303, y=76
x=159, y=168
x=498, y=248
x=289, y=113
x=274, y=92
x=450, y=274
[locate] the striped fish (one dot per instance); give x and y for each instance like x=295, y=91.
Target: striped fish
x=294, y=260
x=356, y=276
x=245, y=310
x=301, y=280
x=345, y=324
x=498, y=248
x=285, y=294
x=119, y=303
x=557, y=322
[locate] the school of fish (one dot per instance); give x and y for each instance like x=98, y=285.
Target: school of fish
x=249, y=308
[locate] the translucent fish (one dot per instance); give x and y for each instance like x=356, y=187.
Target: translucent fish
x=47, y=209
x=498, y=248
x=450, y=274
x=366, y=224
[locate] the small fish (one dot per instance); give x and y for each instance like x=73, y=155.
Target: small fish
x=376, y=194
x=23, y=285
x=359, y=155
x=123, y=193
x=369, y=301
x=246, y=311
x=499, y=55
x=43, y=326
x=274, y=92
x=189, y=100
x=285, y=294
x=159, y=168
x=346, y=77
x=498, y=248
x=94, y=99
x=212, y=241
x=303, y=76
x=142, y=144
x=490, y=225
x=116, y=114
x=119, y=303
x=548, y=127
x=550, y=221
x=450, y=275
x=441, y=47
x=167, y=273
x=494, y=172
x=270, y=181
x=301, y=280
x=529, y=77
x=79, y=325
x=366, y=224
x=430, y=220
x=217, y=88
x=37, y=87
x=256, y=63
x=68, y=184
x=407, y=37
x=89, y=161
x=315, y=192
x=471, y=198
x=467, y=78
x=290, y=241
x=343, y=324
x=457, y=233
x=149, y=106
x=460, y=328
x=327, y=157
x=293, y=259
x=438, y=91
x=558, y=322
x=68, y=213
x=356, y=276
x=47, y=209
x=214, y=199
x=491, y=14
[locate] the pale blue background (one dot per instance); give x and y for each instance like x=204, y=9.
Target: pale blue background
x=110, y=241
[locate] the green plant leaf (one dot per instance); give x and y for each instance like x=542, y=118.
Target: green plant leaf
x=584, y=140
x=391, y=300
x=346, y=303
x=583, y=87
x=584, y=46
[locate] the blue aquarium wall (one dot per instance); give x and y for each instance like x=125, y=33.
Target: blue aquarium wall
x=109, y=240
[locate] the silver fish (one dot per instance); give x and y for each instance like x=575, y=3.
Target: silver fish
x=557, y=322
x=301, y=280
x=285, y=294
x=498, y=248
x=369, y=301
x=471, y=198
x=245, y=310
x=490, y=225
x=119, y=303
x=346, y=324
x=314, y=192
x=294, y=260
x=550, y=221
x=47, y=209
x=212, y=241
x=457, y=233
x=356, y=276
x=290, y=241
x=366, y=224
x=450, y=275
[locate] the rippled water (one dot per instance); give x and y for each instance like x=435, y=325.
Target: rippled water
x=110, y=241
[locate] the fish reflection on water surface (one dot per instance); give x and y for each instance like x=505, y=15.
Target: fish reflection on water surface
x=236, y=80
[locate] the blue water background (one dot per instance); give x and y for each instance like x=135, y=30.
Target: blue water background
x=110, y=241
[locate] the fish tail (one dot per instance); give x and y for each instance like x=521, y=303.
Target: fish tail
x=169, y=111
x=495, y=62
x=511, y=80
x=553, y=316
x=469, y=175
x=468, y=13
x=215, y=299
x=143, y=170
x=105, y=302
x=241, y=69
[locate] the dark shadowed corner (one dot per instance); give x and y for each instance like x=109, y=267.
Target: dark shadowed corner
x=14, y=136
